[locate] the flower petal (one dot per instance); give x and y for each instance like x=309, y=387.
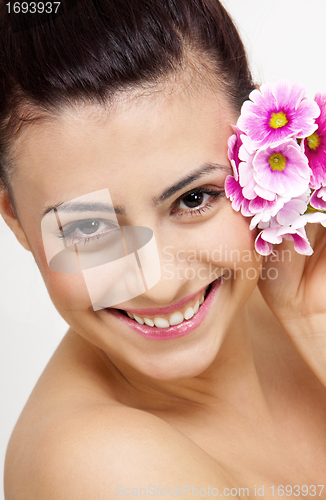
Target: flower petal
x=263, y=247
x=318, y=199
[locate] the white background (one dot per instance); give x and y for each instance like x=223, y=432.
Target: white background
x=284, y=39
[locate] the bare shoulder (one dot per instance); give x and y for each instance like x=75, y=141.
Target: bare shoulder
x=104, y=452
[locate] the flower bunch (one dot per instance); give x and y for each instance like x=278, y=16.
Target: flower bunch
x=278, y=156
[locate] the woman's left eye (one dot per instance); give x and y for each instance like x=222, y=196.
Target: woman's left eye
x=194, y=199
x=197, y=201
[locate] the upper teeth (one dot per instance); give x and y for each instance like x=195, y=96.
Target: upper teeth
x=176, y=317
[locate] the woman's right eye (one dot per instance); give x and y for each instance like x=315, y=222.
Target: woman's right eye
x=89, y=226
x=87, y=229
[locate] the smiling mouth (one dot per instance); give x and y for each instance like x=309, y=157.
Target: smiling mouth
x=175, y=318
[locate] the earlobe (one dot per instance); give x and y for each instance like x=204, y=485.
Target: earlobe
x=8, y=214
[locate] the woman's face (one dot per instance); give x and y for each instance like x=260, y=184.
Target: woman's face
x=163, y=159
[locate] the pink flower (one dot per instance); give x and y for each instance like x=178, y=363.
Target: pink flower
x=282, y=169
x=315, y=147
x=274, y=170
x=277, y=112
x=251, y=189
x=259, y=209
x=234, y=144
x=264, y=210
x=289, y=213
x=318, y=199
x=240, y=188
x=289, y=223
x=233, y=191
x=274, y=235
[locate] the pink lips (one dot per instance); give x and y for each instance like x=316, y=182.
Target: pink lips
x=172, y=332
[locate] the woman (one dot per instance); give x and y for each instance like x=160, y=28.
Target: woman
x=204, y=389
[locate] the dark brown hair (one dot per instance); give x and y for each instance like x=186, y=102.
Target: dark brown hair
x=95, y=48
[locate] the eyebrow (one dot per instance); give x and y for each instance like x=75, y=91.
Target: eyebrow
x=189, y=179
x=77, y=206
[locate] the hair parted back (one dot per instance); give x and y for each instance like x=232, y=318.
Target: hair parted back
x=98, y=47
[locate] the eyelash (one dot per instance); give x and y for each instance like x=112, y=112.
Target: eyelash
x=215, y=194
x=65, y=234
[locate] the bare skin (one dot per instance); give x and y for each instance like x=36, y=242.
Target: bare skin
x=231, y=405
x=273, y=433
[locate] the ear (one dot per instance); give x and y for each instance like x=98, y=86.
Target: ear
x=9, y=216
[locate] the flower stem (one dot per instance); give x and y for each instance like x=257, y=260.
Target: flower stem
x=311, y=210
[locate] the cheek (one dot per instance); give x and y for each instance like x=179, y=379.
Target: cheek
x=223, y=245
x=230, y=241
x=239, y=239
x=95, y=288
x=239, y=259
x=233, y=255
x=68, y=291
x=235, y=230
x=231, y=251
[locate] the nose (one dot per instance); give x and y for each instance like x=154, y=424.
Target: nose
x=129, y=273
x=180, y=276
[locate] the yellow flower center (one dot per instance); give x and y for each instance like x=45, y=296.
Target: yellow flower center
x=313, y=141
x=278, y=120
x=277, y=161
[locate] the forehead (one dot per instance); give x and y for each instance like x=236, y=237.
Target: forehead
x=141, y=134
